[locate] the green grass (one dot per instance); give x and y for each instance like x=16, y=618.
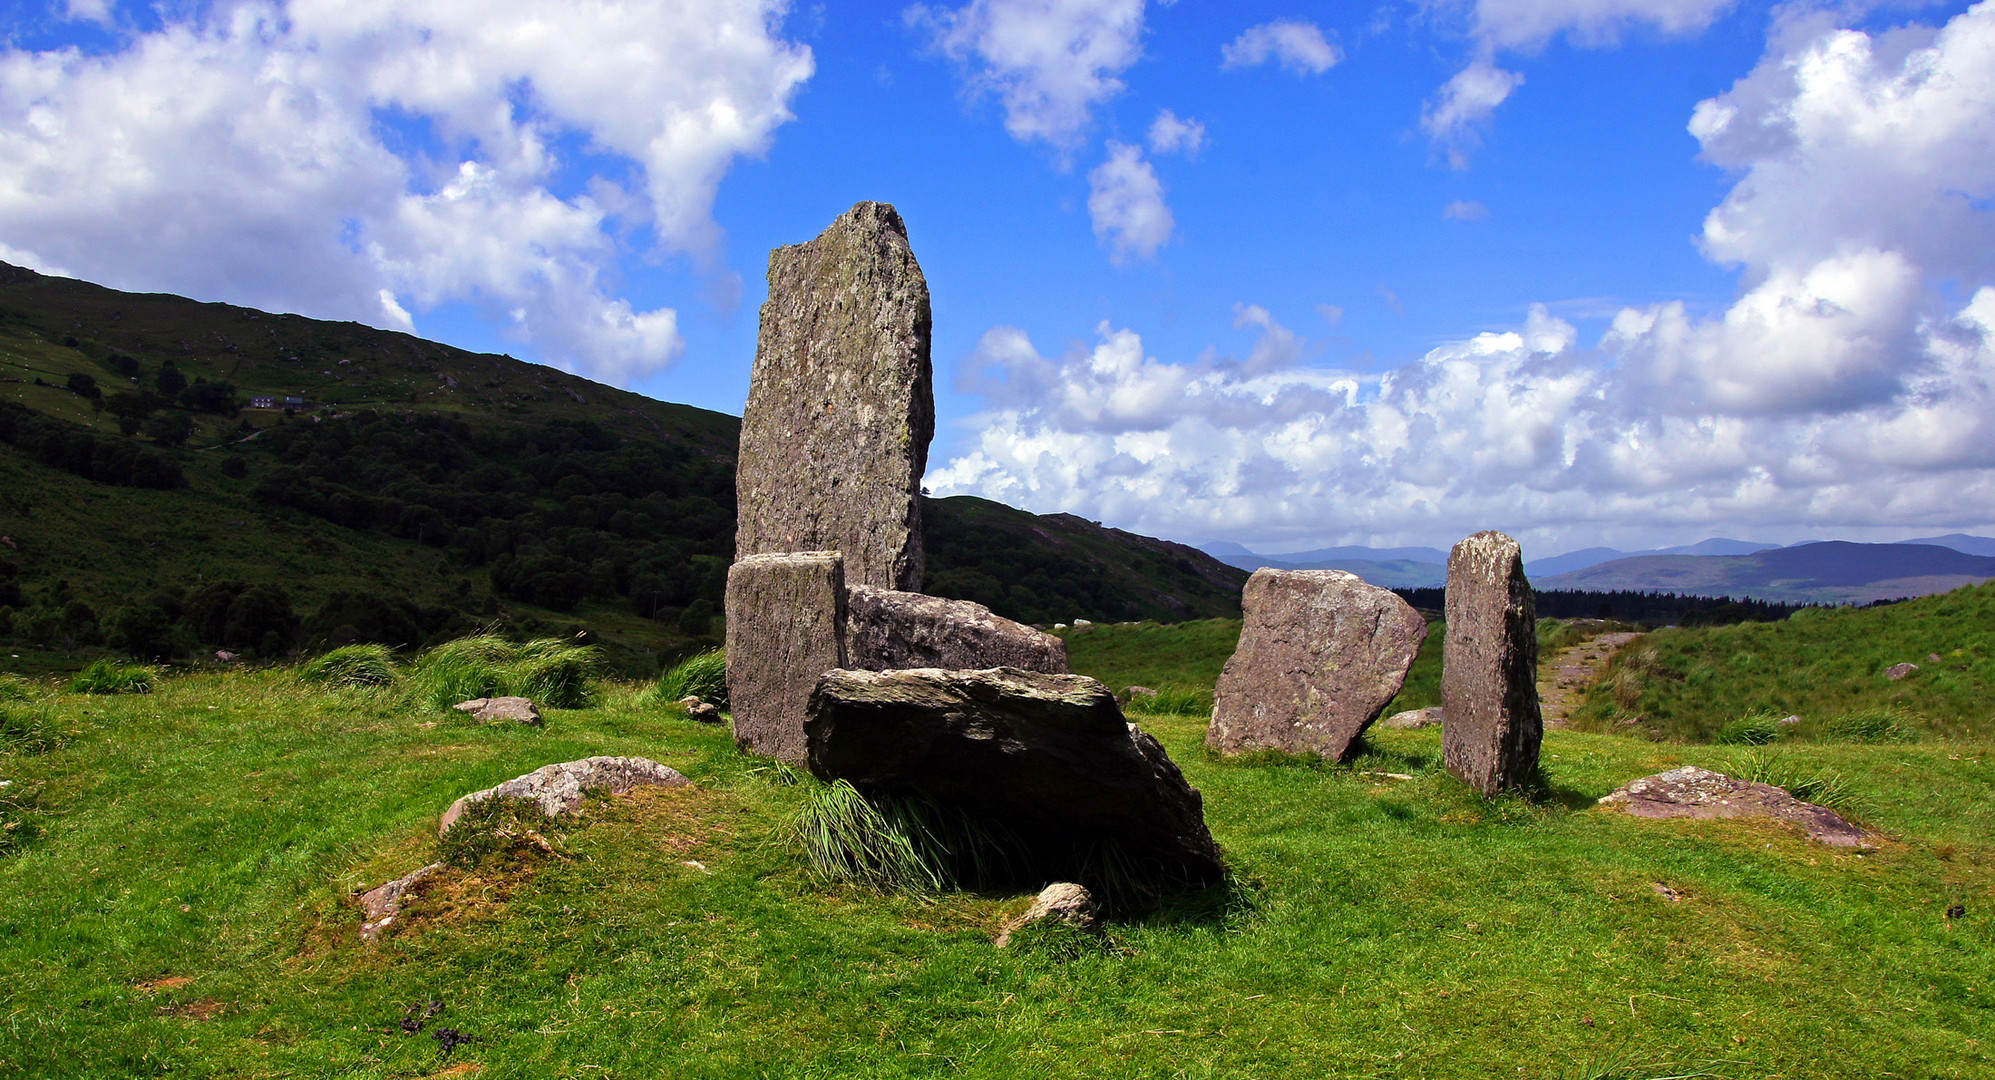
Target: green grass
x=553, y=673
x=1826, y=666
x=702, y=675
x=351, y=665
x=108, y=676
x=183, y=903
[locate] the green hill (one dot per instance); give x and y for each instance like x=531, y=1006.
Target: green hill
x=413, y=491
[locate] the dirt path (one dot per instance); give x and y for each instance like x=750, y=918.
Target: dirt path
x=1568, y=672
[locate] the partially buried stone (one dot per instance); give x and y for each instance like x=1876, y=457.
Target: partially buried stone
x=1045, y=758
x=1413, y=718
x=1489, y=667
x=1320, y=655
x=561, y=788
x=380, y=905
x=1700, y=793
x=1062, y=902
x=785, y=628
x=841, y=406
x=517, y=709
x=886, y=630
x=700, y=710
x=1899, y=671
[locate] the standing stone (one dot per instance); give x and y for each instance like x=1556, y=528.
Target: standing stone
x=890, y=631
x=841, y=404
x=1489, y=667
x=785, y=627
x=1320, y=655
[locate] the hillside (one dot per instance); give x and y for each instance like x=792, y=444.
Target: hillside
x=417, y=491
x=1833, y=571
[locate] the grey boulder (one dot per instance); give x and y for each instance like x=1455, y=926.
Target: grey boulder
x=1321, y=653
x=1691, y=792
x=1412, y=719
x=1047, y=758
x=519, y=710
x=560, y=789
x=785, y=627
x=1063, y=903
x=888, y=630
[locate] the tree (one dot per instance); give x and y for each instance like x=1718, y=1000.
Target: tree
x=84, y=386
x=169, y=429
x=170, y=380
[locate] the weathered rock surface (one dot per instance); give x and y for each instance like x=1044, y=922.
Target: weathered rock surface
x=886, y=630
x=517, y=709
x=1899, y=671
x=785, y=627
x=701, y=711
x=560, y=788
x=1047, y=757
x=841, y=404
x=1700, y=793
x=1489, y=667
x=1061, y=902
x=381, y=904
x=1320, y=655
x=1414, y=718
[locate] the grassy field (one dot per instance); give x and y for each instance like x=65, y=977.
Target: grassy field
x=177, y=897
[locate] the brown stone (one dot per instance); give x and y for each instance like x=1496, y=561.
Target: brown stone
x=1700, y=793
x=1320, y=655
x=699, y=710
x=887, y=630
x=1489, y=667
x=517, y=709
x=561, y=788
x=1899, y=671
x=841, y=405
x=785, y=628
x=1048, y=759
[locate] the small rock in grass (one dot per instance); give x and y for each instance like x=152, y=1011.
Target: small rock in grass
x=1933, y=658
x=517, y=709
x=1898, y=671
x=382, y=903
x=701, y=711
x=1789, y=721
x=1131, y=693
x=1062, y=902
x=1413, y=718
x=560, y=789
x=1700, y=793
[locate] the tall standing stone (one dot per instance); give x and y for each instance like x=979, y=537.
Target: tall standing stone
x=1320, y=655
x=785, y=628
x=1491, y=728
x=841, y=403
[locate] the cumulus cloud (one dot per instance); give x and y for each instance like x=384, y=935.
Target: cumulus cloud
x=1049, y=61
x=1850, y=384
x=1460, y=210
x=1298, y=46
x=1170, y=135
x=347, y=159
x=1126, y=203
x=1464, y=104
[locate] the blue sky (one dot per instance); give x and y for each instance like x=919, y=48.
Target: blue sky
x=1629, y=272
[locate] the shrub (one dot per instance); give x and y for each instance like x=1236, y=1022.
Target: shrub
x=107, y=676
x=1758, y=729
x=352, y=665
x=702, y=675
x=550, y=671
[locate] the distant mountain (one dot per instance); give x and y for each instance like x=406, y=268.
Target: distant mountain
x=1387, y=568
x=1972, y=545
x=1594, y=556
x=1831, y=571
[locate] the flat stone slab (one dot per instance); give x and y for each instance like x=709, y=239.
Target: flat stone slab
x=1321, y=653
x=841, y=403
x=561, y=788
x=1700, y=793
x=888, y=630
x=785, y=628
x=517, y=709
x=1047, y=757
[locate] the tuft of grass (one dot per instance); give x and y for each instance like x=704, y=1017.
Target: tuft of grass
x=15, y=688
x=107, y=676
x=1174, y=701
x=1821, y=786
x=30, y=731
x=503, y=834
x=702, y=675
x=550, y=671
x=351, y=665
x=847, y=839
x=1754, y=729
x=1877, y=723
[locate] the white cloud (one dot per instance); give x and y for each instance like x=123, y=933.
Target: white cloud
x=97, y=11
x=1298, y=46
x=1464, y=103
x=1846, y=387
x=1050, y=61
x=261, y=154
x=1170, y=135
x=1126, y=203
x=1465, y=211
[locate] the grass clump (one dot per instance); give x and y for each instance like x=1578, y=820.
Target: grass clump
x=15, y=688
x=503, y=834
x=702, y=675
x=30, y=731
x=846, y=838
x=550, y=671
x=1874, y=724
x=352, y=665
x=1754, y=729
x=1174, y=701
x=108, y=676
x=1820, y=785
